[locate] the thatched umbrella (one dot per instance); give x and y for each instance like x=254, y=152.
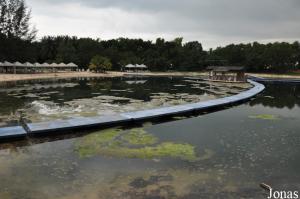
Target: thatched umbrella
x=142, y=66
x=72, y=65
x=45, y=64
x=28, y=64
x=54, y=65
x=6, y=66
x=37, y=65
x=18, y=64
x=6, y=63
x=62, y=65
x=130, y=66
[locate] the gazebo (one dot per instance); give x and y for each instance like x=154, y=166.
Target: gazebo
x=136, y=67
x=7, y=67
x=141, y=67
x=129, y=67
x=17, y=67
x=227, y=73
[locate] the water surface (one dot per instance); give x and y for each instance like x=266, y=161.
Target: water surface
x=44, y=100
x=236, y=149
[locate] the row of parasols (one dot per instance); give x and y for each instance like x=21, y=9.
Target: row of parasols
x=37, y=65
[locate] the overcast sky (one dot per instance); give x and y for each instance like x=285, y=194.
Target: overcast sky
x=211, y=22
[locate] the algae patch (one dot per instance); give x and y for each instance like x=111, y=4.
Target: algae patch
x=89, y=145
x=140, y=137
x=135, y=143
x=265, y=117
x=180, y=117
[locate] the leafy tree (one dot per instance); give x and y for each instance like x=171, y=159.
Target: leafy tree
x=100, y=64
x=14, y=20
x=66, y=50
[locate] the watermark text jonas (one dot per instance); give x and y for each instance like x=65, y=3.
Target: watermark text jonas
x=283, y=194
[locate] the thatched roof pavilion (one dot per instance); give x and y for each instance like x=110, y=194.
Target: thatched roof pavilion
x=36, y=64
x=61, y=65
x=17, y=67
x=136, y=67
x=227, y=73
x=54, y=65
x=226, y=68
x=18, y=64
x=6, y=63
x=28, y=64
x=71, y=65
x=45, y=64
x=142, y=66
x=130, y=66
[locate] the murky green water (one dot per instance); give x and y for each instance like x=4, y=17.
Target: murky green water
x=225, y=154
x=44, y=100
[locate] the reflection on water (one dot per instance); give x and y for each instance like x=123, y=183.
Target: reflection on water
x=279, y=95
x=44, y=100
x=235, y=153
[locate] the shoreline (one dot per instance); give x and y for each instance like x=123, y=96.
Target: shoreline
x=275, y=76
x=24, y=77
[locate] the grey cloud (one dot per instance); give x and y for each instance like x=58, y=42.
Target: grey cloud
x=227, y=9
x=249, y=19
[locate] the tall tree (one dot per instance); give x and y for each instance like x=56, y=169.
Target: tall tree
x=100, y=64
x=15, y=20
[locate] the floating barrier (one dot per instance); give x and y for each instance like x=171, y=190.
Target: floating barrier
x=58, y=126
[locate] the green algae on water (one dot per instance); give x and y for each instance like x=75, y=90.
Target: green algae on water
x=93, y=142
x=147, y=124
x=140, y=137
x=136, y=143
x=179, y=117
x=265, y=117
x=166, y=149
x=182, y=151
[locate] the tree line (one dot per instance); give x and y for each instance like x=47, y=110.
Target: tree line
x=18, y=43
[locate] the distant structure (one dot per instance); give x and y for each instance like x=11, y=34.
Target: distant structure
x=135, y=68
x=136, y=82
x=227, y=73
x=29, y=68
